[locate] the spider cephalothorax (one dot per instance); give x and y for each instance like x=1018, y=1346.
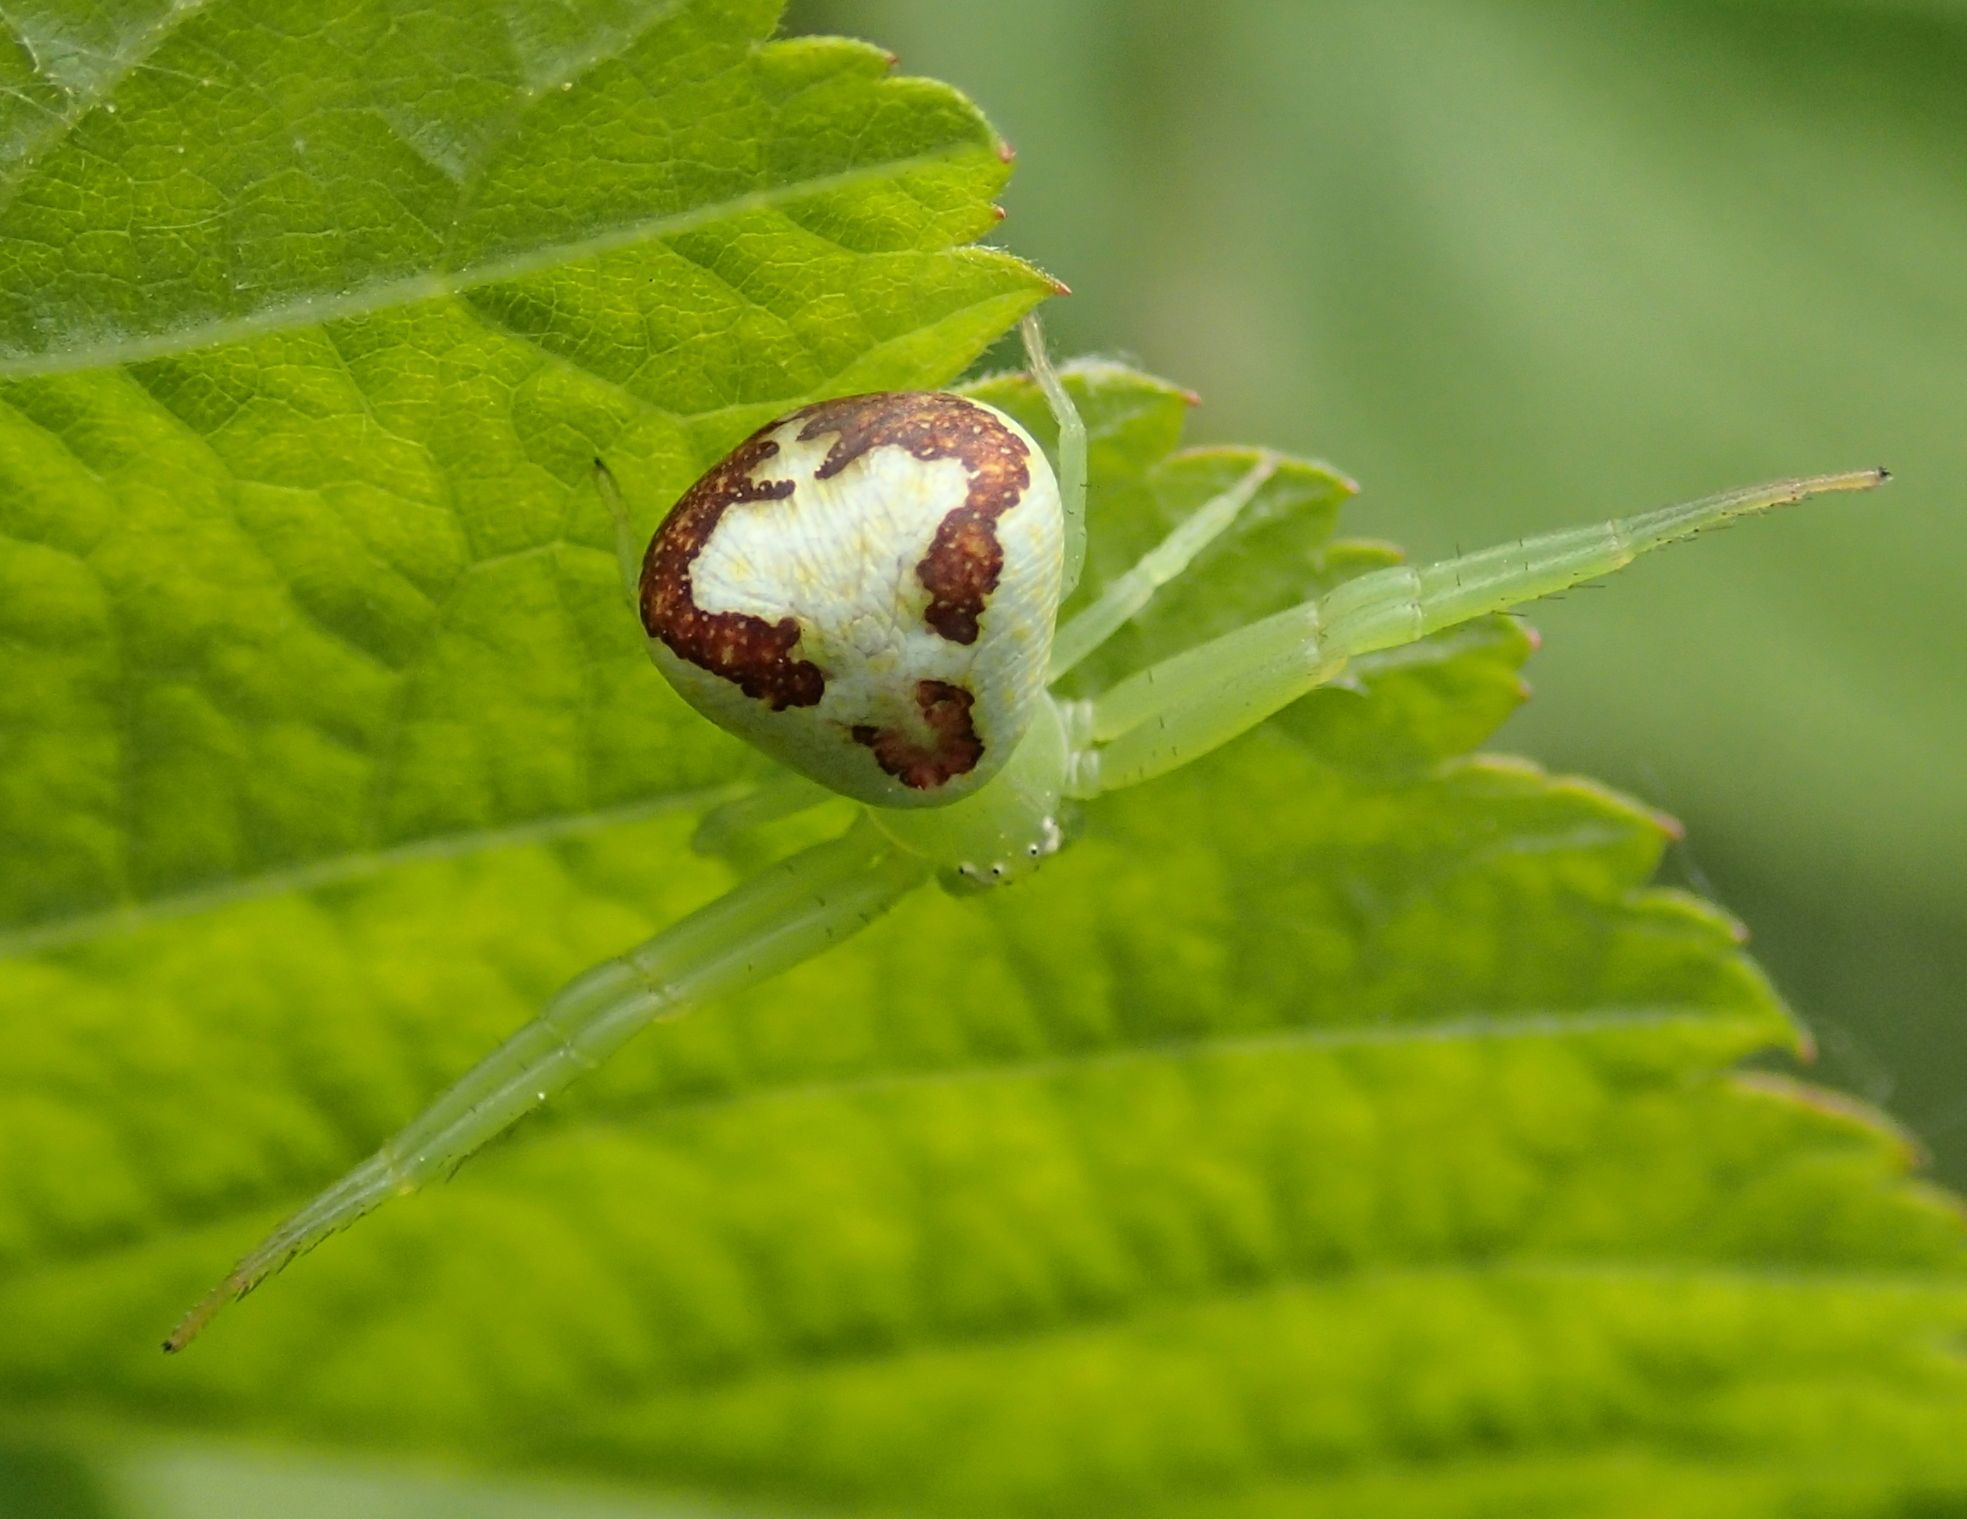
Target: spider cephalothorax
x=867, y=589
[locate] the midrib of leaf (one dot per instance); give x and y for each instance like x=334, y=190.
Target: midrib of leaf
x=313, y=311
x=56, y=932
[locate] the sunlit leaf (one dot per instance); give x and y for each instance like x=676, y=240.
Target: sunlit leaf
x=1342, y=1126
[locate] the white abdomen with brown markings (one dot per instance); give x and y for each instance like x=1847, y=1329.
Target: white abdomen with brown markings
x=867, y=590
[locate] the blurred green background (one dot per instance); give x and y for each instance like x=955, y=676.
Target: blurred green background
x=1519, y=264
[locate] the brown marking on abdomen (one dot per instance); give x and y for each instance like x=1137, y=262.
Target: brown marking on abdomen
x=964, y=560
x=754, y=654
x=960, y=569
x=953, y=747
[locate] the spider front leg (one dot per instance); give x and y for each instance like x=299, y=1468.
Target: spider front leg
x=628, y=548
x=790, y=912
x=727, y=828
x=1072, y=451
x=1128, y=595
x=1183, y=707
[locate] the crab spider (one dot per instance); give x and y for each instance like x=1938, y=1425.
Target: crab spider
x=868, y=590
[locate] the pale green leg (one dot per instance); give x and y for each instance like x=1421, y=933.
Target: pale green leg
x=798, y=908
x=1072, y=449
x=628, y=548
x=1124, y=598
x=1182, y=708
x=780, y=795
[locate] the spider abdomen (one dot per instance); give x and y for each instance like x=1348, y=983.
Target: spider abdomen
x=866, y=589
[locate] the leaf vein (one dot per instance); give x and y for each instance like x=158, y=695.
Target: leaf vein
x=441, y=284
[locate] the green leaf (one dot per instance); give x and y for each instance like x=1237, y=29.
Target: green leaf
x=302, y=561
x=1342, y=1126
x=1486, y=255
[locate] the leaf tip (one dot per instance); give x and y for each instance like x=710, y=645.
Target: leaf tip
x=1005, y=152
x=1842, y=1109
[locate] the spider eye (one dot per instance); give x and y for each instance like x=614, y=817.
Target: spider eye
x=866, y=589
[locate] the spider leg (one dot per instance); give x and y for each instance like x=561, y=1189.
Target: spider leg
x=723, y=829
x=628, y=549
x=788, y=913
x=1072, y=449
x=1124, y=598
x=1177, y=710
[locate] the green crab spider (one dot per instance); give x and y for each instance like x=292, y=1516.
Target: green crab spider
x=868, y=590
